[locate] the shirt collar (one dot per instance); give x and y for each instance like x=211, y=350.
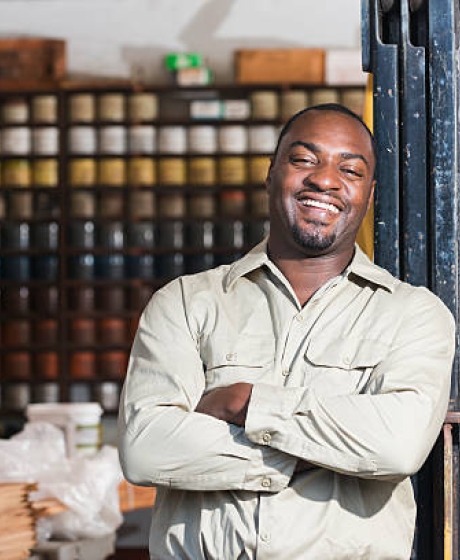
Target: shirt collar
x=360, y=265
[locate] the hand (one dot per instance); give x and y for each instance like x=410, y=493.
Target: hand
x=229, y=404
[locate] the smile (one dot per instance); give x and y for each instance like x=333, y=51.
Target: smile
x=321, y=205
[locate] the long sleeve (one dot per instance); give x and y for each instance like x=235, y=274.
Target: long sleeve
x=162, y=441
x=385, y=430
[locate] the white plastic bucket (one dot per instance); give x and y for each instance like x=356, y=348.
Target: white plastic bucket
x=81, y=423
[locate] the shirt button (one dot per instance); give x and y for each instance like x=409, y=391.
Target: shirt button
x=285, y=372
x=299, y=318
x=266, y=483
x=230, y=357
x=266, y=438
x=265, y=537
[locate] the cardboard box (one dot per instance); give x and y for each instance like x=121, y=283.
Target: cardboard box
x=344, y=67
x=25, y=59
x=274, y=66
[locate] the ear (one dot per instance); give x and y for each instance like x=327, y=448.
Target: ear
x=371, y=195
x=268, y=180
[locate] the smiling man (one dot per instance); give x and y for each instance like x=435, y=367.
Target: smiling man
x=281, y=403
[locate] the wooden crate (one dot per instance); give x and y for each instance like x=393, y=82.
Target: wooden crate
x=34, y=60
x=274, y=66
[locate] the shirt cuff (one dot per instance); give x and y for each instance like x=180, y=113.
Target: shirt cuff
x=270, y=409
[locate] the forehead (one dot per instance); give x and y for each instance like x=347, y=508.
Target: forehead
x=330, y=130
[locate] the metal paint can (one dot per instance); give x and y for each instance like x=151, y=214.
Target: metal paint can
x=17, y=396
x=45, y=301
x=112, y=172
x=141, y=234
x=233, y=139
x=264, y=105
x=232, y=170
x=171, y=205
x=111, y=299
x=82, y=172
x=82, y=331
x=292, y=102
x=111, y=205
x=111, y=107
x=142, y=139
x=20, y=206
x=15, y=111
x=46, y=365
x=353, y=99
x=82, y=205
x=46, y=172
x=172, y=171
x=259, y=205
x=232, y=202
x=111, y=235
x=258, y=169
x=171, y=235
x=45, y=236
x=112, y=140
x=15, y=235
x=142, y=205
x=82, y=140
x=112, y=364
x=44, y=109
x=202, y=139
x=262, y=139
x=16, y=173
x=111, y=330
x=143, y=107
x=230, y=234
x=81, y=298
x=81, y=234
x=82, y=107
x=171, y=266
x=202, y=206
x=81, y=267
x=16, y=140
x=202, y=171
x=324, y=95
x=200, y=235
x=141, y=171
x=46, y=331
x=172, y=140
x=82, y=365
x=108, y=395
x=17, y=365
x=45, y=141
x=46, y=393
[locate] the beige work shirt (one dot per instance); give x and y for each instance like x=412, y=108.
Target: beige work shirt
x=356, y=382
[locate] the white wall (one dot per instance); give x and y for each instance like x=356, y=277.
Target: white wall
x=123, y=37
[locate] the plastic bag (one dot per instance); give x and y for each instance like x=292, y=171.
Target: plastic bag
x=88, y=486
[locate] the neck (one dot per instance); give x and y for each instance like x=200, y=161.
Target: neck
x=308, y=273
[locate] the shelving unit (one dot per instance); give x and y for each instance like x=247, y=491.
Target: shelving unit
x=124, y=203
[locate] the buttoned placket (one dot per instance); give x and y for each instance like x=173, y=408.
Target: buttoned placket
x=295, y=340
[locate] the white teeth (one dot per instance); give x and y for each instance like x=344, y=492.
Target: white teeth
x=323, y=205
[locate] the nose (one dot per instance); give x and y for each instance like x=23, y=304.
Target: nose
x=323, y=177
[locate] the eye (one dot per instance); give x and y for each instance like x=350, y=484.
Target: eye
x=301, y=159
x=352, y=172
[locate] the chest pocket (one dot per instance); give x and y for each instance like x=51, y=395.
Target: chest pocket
x=342, y=366
x=248, y=358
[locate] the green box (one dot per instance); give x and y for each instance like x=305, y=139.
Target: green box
x=176, y=61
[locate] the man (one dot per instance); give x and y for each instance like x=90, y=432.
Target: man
x=280, y=403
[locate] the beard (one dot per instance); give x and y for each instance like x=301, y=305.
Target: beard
x=312, y=239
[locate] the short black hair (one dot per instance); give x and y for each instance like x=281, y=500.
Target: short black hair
x=334, y=107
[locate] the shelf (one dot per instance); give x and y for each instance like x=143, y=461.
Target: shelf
x=92, y=299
